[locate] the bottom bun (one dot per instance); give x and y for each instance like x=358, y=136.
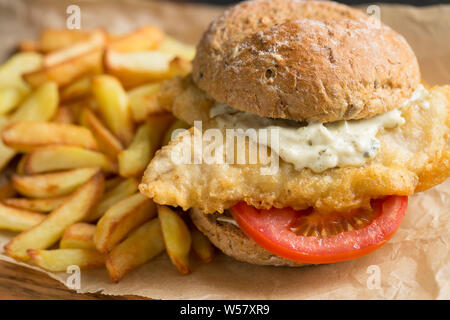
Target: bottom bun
x=234, y=243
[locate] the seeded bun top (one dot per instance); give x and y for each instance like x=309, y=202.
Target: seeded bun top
x=305, y=61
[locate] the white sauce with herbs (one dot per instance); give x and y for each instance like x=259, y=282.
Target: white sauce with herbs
x=320, y=146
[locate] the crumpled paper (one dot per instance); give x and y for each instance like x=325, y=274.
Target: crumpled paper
x=414, y=264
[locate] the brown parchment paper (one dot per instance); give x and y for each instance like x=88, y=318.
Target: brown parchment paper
x=415, y=264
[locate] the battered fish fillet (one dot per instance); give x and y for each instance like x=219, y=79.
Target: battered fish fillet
x=412, y=158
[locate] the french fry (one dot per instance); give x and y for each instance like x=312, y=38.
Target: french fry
x=56, y=39
x=142, y=245
x=177, y=238
x=179, y=67
x=77, y=106
x=6, y=153
x=41, y=105
x=12, y=70
x=68, y=71
x=68, y=146
x=20, y=163
x=136, y=68
x=114, y=107
x=64, y=114
x=53, y=158
x=134, y=159
x=201, y=246
x=19, y=220
x=74, y=209
x=53, y=184
x=37, y=205
x=96, y=40
x=113, y=182
x=7, y=190
x=120, y=219
x=78, y=236
x=145, y=38
x=177, y=48
x=9, y=99
x=27, y=136
x=28, y=46
x=144, y=102
x=177, y=124
x=78, y=89
x=121, y=191
x=107, y=142
x=58, y=260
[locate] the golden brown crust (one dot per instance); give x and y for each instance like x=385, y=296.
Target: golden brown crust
x=233, y=242
x=412, y=158
x=175, y=94
x=306, y=61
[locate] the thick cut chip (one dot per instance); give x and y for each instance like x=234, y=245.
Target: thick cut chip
x=46, y=233
x=96, y=40
x=27, y=136
x=136, y=68
x=113, y=182
x=9, y=99
x=201, y=246
x=6, y=153
x=107, y=142
x=68, y=71
x=78, y=236
x=65, y=115
x=121, y=191
x=6, y=190
x=52, y=184
x=53, y=158
x=142, y=245
x=176, y=237
x=177, y=48
x=56, y=39
x=122, y=218
x=38, y=205
x=59, y=260
x=145, y=38
x=28, y=46
x=134, y=159
x=41, y=105
x=114, y=107
x=18, y=219
x=144, y=102
x=11, y=71
x=76, y=90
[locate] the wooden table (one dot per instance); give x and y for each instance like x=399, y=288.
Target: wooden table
x=19, y=283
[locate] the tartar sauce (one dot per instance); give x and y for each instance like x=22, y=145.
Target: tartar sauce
x=317, y=146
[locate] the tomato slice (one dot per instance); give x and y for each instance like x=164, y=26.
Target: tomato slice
x=335, y=237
